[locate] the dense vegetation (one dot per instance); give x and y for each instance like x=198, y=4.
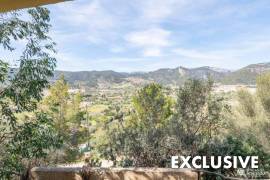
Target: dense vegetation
x=196, y=122
x=43, y=125
x=24, y=143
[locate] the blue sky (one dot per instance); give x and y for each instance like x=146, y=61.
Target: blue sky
x=145, y=35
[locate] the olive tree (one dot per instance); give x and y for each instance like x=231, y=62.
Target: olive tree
x=198, y=117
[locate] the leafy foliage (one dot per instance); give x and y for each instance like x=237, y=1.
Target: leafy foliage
x=21, y=90
x=244, y=144
x=68, y=117
x=158, y=128
x=263, y=86
x=199, y=116
x=247, y=103
x=31, y=141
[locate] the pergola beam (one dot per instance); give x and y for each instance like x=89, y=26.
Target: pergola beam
x=9, y=5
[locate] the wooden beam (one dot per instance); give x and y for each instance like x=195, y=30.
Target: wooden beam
x=9, y=5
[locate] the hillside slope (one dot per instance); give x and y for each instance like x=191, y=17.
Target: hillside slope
x=166, y=76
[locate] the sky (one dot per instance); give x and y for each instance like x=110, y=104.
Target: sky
x=145, y=35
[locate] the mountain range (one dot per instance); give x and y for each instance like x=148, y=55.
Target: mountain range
x=167, y=76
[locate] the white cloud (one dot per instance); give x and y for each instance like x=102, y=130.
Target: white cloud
x=91, y=20
x=152, y=52
x=151, y=40
x=90, y=15
x=194, y=11
x=156, y=10
x=117, y=49
x=195, y=54
x=151, y=37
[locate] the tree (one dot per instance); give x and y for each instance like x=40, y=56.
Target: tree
x=21, y=88
x=137, y=137
x=152, y=107
x=247, y=103
x=29, y=146
x=242, y=144
x=67, y=116
x=199, y=115
x=157, y=128
x=56, y=104
x=263, y=86
x=247, y=129
x=252, y=111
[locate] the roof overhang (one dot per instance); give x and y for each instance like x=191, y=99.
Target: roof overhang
x=9, y=5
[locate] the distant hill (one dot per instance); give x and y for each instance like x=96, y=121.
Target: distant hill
x=166, y=76
x=246, y=75
x=178, y=75
x=91, y=78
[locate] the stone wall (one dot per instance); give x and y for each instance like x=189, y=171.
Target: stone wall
x=39, y=173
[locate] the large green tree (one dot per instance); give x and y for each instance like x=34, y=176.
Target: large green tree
x=198, y=117
x=152, y=112
x=21, y=89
